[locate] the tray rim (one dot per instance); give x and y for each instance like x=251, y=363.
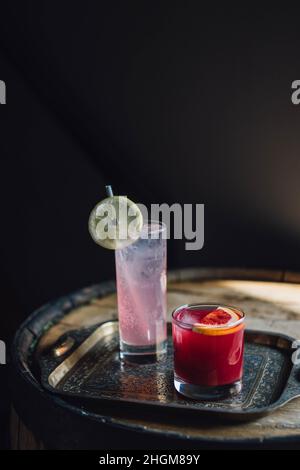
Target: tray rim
x=229, y=414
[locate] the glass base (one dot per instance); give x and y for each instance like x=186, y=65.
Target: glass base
x=200, y=392
x=143, y=354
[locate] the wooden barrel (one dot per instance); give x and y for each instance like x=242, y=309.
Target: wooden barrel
x=271, y=300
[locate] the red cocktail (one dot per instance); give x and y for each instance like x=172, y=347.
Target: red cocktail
x=208, y=350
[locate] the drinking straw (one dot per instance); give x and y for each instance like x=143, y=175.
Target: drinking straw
x=109, y=191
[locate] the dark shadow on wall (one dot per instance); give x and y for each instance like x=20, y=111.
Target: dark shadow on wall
x=169, y=105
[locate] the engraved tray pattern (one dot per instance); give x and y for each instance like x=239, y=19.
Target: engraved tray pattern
x=270, y=379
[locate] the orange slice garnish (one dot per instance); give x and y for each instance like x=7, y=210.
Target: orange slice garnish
x=218, y=322
x=198, y=328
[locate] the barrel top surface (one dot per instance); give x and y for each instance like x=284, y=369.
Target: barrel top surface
x=270, y=299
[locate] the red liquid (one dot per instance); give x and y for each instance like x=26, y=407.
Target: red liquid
x=207, y=359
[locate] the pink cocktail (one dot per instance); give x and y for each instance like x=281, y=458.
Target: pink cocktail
x=141, y=291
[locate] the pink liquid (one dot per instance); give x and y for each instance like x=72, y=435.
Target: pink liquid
x=141, y=289
x=207, y=360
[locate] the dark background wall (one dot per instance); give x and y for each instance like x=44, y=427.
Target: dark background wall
x=166, y=101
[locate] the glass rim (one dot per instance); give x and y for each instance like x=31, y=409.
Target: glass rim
x=162, y=226
x=220, y=327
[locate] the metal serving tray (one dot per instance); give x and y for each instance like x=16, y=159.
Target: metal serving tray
x=85, y=364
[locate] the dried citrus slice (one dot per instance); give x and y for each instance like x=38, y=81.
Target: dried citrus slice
x=218, y=322
x=115, y=222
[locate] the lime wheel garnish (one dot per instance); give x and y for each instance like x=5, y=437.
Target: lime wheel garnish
x=115, y=222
